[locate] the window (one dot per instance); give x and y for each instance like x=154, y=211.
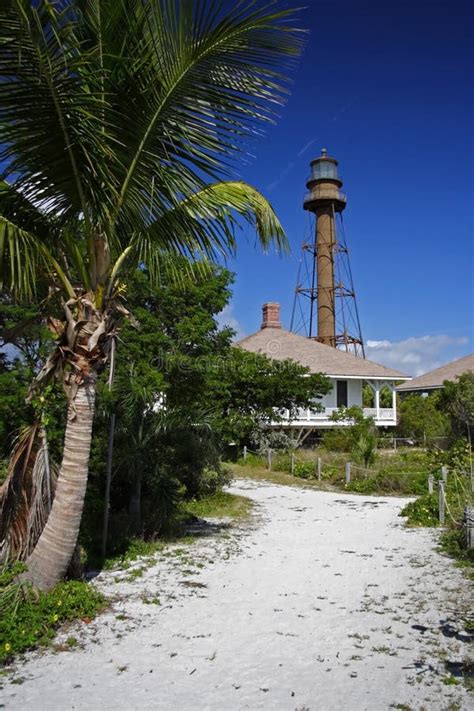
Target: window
x=341, y=393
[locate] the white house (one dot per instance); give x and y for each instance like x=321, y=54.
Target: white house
x=347, y=372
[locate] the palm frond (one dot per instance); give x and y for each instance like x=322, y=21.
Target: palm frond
x=198, y=80
x=202, y=227
x=113, y=112
x=50, y=107
x=24, y=259
x=26, y=495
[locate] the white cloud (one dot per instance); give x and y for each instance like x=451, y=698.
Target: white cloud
x=227, y=318
x=417, y=354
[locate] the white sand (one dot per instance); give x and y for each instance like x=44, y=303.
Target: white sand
x=310, y=607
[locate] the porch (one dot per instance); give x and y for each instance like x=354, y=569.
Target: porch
x=346, y=392
x=383, y=417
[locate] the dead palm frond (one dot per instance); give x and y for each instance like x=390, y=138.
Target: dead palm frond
x=26, y=495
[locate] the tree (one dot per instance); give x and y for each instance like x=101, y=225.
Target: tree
x=208, y=391
x=421, y=418
x=115, y=115
x=457, y=401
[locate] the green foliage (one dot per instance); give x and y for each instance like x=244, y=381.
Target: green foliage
x=337, y=439
x=404, y=472
x=368, y=396
x=423, y=511
x=304, y=470
x=212, y=481
x=421, y=419
x=30, y=619
x=26, y=343
x=365, y=447
x=252, y=388
x=252, y=460
x=211, y=392
x=457, y=400
x=161, y=504
x=120, y=194
x=140, y=184
x=452, y=543
x=358, y=436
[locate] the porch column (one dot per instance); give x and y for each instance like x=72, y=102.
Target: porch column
x=394, y=404
x=377, y=400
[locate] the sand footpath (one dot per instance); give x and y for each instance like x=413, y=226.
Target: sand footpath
x=323, y=601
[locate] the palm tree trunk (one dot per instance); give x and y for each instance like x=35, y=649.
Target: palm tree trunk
x=50, y=559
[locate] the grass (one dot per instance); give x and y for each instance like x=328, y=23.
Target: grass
x=219, y=505
x=260, y=473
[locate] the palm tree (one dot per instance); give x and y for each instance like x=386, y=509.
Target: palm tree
x=120, y=120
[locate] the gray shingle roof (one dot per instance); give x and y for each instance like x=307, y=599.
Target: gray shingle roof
x=280, y=344
x=435, y=378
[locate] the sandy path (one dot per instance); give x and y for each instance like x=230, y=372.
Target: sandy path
x=311, y=607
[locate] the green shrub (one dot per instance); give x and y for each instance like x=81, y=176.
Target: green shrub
x=304, y=470
x=332, y=473
x=364, y=448
x=452, y=543
x=363, y=485
x=423, y=511
x=338, y=439
x=213, y=479
x=29, y=618
x=281, y=462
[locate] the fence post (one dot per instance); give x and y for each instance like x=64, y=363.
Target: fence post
x=444, y=473
x=292, y=465
x=269, y=459
x=318, y=465
x=348, y=472
x=245, y=452
x=395, y=444
x=468, y=523
x=441, y=502
x=430, y=483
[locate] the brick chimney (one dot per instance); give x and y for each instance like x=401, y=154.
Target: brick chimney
x=271, y=315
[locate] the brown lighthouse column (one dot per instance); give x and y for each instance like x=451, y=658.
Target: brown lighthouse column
x=324, y=199
x=325, y=244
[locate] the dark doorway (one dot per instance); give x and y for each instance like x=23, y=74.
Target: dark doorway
x=341, y=393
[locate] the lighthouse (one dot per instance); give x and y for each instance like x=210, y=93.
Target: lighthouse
x=325, y=276
x=324, y=198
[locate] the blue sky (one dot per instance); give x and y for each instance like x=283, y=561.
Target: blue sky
x=386, y=87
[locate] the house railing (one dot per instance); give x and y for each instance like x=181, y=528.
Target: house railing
x=308, y=415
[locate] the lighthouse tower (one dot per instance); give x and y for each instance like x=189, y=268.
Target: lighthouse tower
x=326, y=278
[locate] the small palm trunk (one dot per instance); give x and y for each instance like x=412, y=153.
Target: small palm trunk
x=51, y=557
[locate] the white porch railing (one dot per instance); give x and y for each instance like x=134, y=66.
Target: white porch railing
x=384, y=413
x=308, y=415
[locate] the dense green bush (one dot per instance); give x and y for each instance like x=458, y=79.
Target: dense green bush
x=421, y=419
x=423, y=511
x=338, y=439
